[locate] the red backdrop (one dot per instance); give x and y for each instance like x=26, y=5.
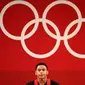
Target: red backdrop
x=17, y=67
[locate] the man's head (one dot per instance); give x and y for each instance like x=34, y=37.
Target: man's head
x=41, y=70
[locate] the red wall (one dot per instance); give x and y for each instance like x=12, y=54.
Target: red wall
x=17, y=67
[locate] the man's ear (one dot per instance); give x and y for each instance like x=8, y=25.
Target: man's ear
x=47, y=72
x=35, y=73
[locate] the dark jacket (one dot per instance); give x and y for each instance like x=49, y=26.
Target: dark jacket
x=52, y=83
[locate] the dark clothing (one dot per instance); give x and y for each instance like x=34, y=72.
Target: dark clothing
x=52, y=83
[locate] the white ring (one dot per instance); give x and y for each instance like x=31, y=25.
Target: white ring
x=69, y=48
x=69, y=27
x=44, y=21
x=40, y=55
x=67, y=3
x=9, y=5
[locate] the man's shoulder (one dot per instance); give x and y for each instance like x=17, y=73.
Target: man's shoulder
x=30, y=83
x=54, y=82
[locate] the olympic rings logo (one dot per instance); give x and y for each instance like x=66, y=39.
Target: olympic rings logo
x=37, y=20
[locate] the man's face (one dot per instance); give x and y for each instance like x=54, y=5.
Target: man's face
x=41, y=71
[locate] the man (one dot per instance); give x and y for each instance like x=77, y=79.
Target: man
x=41, y=71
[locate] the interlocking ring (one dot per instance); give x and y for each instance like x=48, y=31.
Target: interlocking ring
x=45, y=21
x=40, y=55
x=9, y=5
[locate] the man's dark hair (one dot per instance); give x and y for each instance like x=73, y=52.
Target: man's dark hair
x=41, y=63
